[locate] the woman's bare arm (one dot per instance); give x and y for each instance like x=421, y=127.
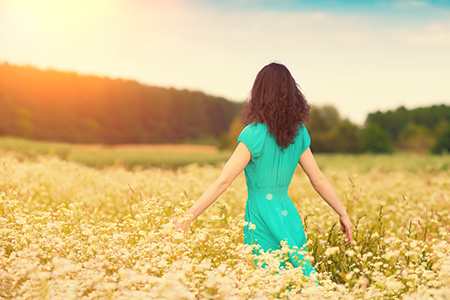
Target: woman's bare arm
x=234, y=166
x=320, y=182
x=325, y=190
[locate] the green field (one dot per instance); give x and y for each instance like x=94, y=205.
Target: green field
x=110, y=156
x=131, y=159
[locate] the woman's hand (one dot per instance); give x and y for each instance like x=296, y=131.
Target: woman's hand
x=346, y=227
x=179, y=224
x=234, y=166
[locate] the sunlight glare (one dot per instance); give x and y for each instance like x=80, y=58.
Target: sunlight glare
x=17, y=23
x=22, y=17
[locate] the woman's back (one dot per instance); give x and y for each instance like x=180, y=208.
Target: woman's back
x=270, y=166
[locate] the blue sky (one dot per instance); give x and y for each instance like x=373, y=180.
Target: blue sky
x=360, y=56
x=343, y=6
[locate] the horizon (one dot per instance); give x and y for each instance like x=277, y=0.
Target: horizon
x=359, y=57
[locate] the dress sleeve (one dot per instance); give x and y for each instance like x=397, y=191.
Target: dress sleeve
x=305, y=138
x=253, y=136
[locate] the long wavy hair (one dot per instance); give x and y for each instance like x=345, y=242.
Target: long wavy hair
x=277, y=101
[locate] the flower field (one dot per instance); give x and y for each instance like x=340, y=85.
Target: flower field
x=68, y=231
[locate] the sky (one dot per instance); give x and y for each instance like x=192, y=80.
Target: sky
x=360, y=56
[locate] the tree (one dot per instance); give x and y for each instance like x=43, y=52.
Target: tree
x=414, y=130
x=228, y=141
x=416, y=138
x=323, y=118
x=329, y=133
x=375, y=139
x=443, y=142
x=347, y=137
x=23, y=124
x=67, y=107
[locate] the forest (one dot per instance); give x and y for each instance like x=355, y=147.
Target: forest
x=67, y=107
x=420, y=130
x=50, y=105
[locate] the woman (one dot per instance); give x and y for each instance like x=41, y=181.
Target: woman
x=269, y=148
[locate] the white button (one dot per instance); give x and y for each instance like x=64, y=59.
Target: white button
x=284, y=212
x=269, y=196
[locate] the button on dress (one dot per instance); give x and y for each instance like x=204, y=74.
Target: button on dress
x=268, y=207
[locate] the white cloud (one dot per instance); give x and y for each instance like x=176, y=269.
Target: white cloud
x=410, y=4
x=430, y=35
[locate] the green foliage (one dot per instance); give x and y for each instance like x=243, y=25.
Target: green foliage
x=323, y=118
x=67, y=107
x=228, y=141
x=375, y=139
x=329, y=133
x=416, y=138
x=24, y=128
x=347, y=137
x=413, y=130
x=443, y=142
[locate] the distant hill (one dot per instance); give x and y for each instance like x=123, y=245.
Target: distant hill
x=68, y=107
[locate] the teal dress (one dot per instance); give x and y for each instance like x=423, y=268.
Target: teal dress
x=268, y=207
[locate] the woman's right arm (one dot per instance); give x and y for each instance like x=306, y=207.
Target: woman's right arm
x=325, y=190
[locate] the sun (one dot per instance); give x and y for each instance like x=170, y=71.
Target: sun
x=22, y=18
x=17, y=22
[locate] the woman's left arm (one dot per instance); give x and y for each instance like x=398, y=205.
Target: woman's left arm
x=234, y=166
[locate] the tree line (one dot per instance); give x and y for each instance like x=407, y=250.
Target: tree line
x=68, y=107
x=420, y=130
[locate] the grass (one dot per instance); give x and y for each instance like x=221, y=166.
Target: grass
x=110, y=156
x=384, y=162
x=145, y=156
x=34, y=148
x=137, y=159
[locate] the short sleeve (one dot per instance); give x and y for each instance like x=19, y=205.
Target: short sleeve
x=253, y=136
x=306, y=139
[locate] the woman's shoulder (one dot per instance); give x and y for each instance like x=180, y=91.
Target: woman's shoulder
x=253, y=136
x=302, y=133
x=302, y=128
x=256, y=127
x=303, y=137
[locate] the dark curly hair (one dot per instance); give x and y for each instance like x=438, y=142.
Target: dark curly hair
x=277, y=101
